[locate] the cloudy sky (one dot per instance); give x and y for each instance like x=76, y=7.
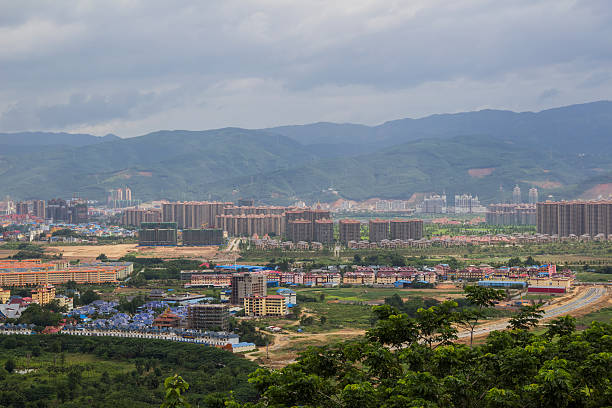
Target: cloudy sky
x=130, y=67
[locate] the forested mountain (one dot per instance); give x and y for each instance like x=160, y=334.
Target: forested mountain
x=563, y=152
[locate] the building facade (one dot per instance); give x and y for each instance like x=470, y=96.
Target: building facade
x=271, y=305
x=593, y=218
x=324, y=231
x=157, y=234
x=208, y=317
x=379, y=230
x=134, y=217
x=511, y=214
x=207, y=236
x=350, y=230
x=247, y=284
x=406, y=229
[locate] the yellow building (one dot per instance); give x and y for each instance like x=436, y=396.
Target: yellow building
x=386, y=278
x=560, y=282
x=358, y=278
x=43, y=294
x=272, y=305
x=5, y=295
x=65, y=301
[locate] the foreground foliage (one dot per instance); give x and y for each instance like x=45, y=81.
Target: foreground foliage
x=412, y=362
x=75, y=371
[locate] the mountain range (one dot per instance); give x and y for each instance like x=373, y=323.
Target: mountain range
x=565, y=152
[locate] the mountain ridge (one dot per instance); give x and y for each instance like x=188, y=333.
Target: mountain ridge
x=566, y=152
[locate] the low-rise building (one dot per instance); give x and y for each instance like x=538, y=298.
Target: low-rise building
x=217, y=280
x=66, y=301
x=549, y=285
x=167, y=319
x=5, y=295
x=359, y=277
x=289, y=295
x=43, y=294
x=271, y=305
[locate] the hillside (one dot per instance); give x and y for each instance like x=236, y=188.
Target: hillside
x=564, y=152
x=165, y=164
x=473, y=164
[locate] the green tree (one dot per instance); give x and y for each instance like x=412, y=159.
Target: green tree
x=527, y=317
x=174, y=388
x=561, y=326
x=88, y=297
x=482, y=298
x=10, y=365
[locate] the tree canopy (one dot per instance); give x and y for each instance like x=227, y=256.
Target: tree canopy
x=413, y=362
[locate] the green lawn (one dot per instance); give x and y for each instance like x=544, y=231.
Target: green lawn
x=593, y=277
x=602, y=315
x=363, y=294
x=338, y=315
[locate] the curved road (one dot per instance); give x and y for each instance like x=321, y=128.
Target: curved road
x=592, y=295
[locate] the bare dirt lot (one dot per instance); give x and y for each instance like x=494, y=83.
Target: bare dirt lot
x=90, y=252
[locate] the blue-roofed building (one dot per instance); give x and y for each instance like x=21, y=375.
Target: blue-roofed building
x=249, y=268
x=242, y=347
x=504, y=284
x=289, y=295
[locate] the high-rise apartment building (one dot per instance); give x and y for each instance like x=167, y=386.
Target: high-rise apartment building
x=466, y=204
x=575, y=218
x=78, y=212
x=305, y=230
x=533, y=195
x=300, y=230
x=511, y=214
x=247, y=284
x=133, y=217
x=406, y=229
x=204, y=236
x=379, y=230
x=433, y=204
x=247, y=225
x=22, y=208
x=324, y=231
x=516, y=195
x=157, y=234
x=350, y=230
x=193, y=214
x=38, y=209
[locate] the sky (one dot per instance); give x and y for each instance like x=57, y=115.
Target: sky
x=132, y=67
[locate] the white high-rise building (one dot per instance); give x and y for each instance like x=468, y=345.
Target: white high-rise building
x=516, y=195
x=533, y=195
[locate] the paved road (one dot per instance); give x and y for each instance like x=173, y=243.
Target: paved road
x=592, y=295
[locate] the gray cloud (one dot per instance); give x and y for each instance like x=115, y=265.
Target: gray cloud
x=133, y=67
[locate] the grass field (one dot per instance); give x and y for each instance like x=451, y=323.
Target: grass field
x=601, y=315
x=362, y=294
x=338, y=316
x=593, y=277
